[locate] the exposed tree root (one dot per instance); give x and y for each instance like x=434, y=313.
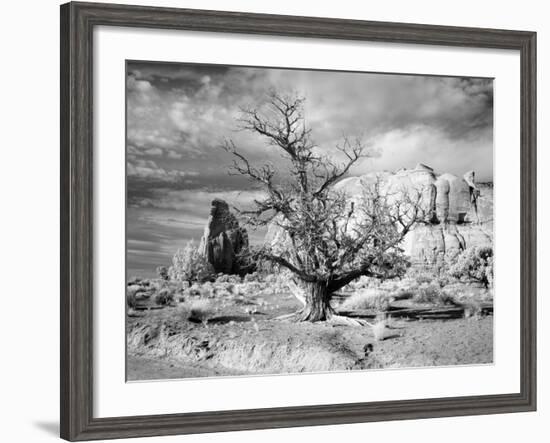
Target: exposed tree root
x=334, y=320
x=340, y=320
x=286, y=317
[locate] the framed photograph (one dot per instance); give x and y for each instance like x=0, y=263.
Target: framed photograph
x=272, y=221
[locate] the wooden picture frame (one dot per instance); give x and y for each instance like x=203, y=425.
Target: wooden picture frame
x=77, y=23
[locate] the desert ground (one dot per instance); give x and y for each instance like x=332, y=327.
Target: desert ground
x=239, y=326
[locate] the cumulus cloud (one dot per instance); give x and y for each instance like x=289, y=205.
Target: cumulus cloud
x=174, y=155
x=138, y=85
x=432, y=146
x=155, y=152
x=198, y=201
x=148, y=169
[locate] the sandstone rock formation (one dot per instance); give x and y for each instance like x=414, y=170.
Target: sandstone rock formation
x=459, y=211
x=223, y=239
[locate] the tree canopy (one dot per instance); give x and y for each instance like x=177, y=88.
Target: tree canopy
x=330, y=239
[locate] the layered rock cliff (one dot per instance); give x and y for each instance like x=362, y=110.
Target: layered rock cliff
x=459, y=210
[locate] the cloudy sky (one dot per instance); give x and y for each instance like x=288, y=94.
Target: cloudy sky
x=179, y=114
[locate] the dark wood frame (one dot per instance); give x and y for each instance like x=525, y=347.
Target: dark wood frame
x=77, y=24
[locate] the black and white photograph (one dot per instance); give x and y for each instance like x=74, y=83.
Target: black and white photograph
x=283, y=221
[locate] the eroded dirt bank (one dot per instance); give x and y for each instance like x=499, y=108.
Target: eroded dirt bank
x=163, y=344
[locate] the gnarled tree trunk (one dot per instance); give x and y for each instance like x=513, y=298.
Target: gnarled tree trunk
x=317, y=306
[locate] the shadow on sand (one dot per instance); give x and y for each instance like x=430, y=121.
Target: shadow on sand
x=49, y=427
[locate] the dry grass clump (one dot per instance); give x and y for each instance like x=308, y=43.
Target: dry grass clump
x=252, y=277
x=376, y=299
x=206, y=290
x=164, y=296
x=228, y=278
x=379, y=329
x=401, y=289
x=424, y=278
x=188, y=264
x=433, y=294
x=471, y=299
x=428, y=276
x=472, y=309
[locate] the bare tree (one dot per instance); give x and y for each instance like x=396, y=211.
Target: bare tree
x=330, y=240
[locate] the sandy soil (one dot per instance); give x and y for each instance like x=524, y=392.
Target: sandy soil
x=163, y=343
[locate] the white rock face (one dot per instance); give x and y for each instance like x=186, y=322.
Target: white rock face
x=459, y=212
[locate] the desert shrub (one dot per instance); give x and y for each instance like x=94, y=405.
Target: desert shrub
x=427, y=293
x=433, y=294
x=436, y=274
x=252, y=277
x=367, y=299
x=162, y=272
x=206, y=292
x=228, y=278
x=134, y=288
x=200, y=310
x=379, y=329
x=164, y=297
x=270, y=278
x=474, y=264
x=405, y=288
x=131, y=297
x=188, y=264
x=472, y=308
x=134, y=281
x=252, y=288
x=424, y=277
x=194, y=289
x=443, y=280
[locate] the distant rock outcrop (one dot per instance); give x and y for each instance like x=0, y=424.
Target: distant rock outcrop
x=459, y=211
x=223, y=239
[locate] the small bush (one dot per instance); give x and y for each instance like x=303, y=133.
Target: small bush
x=162, y=272
x=135, y=288
x=131, y=297
x=164, y=297
x=223, y=278
x=401, y=289
x=200, y=310
x=472, y=308
x=188, y=264
x=424, y=277
x=367, y=299
x=427, y=293
x=379, y=330
x=442, y=281
x=474, y=264
x=253, y=277
x=433, y=294
x=135, y=281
